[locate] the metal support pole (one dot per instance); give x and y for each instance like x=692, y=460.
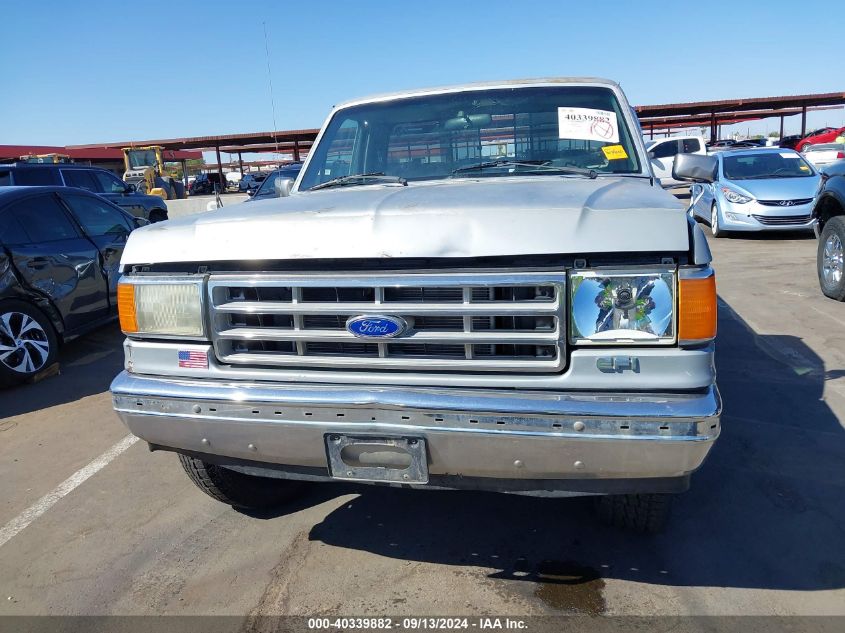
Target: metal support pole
x=651, y=131
x=220, y=169
x=241, y=163
x=185, y=171
x=781, y=127
x=713, y=137
x=296, y=151
x=803, y=121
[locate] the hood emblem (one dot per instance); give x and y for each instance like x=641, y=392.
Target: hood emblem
x=786, y=203
x=376, y=326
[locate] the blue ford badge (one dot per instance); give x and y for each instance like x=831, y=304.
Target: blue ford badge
x=376, y=326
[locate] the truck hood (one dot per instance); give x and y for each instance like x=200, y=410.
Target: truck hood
x=456, y=218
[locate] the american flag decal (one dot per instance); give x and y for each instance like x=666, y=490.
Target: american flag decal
x=194, y=360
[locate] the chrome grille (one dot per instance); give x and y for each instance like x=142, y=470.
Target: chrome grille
x=782, y=220
x=457, y=322
x=786, y=203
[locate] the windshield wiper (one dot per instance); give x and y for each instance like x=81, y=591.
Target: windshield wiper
x=359, y=179
x=532, y=166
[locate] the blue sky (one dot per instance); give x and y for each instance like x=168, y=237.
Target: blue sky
x=96, y=71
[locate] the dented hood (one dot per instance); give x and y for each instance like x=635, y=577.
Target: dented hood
x=454, y=218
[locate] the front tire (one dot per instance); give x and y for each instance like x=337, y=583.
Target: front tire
x=178, y=189
x=236, y=489
x=28, y=342
x=646, y=513
x=829, y=258
x=715, y=229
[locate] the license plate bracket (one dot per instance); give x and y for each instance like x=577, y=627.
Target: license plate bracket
x=377, y=458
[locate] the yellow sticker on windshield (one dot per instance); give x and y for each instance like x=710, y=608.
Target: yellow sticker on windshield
x=804, y=168
x=614, y=152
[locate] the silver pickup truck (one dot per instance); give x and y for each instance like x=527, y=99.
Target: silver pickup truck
x=478, y=287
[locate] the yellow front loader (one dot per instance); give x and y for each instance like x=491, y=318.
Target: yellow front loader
x=145, y=168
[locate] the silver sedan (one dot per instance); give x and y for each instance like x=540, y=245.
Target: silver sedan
x=766, y=189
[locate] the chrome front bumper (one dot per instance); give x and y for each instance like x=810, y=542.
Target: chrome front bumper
x=490, y=435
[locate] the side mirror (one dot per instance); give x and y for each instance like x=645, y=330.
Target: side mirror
x=131, y=188
x=694, y=168
x=283, y=187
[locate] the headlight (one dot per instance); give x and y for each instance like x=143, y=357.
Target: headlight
x=611, y=307
x=161, y=307
x=734, y=196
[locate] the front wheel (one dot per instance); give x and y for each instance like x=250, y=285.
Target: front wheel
x=829, y=258
x=28, y=342
x=645, y=513
x=715, y=229
x=236, y=489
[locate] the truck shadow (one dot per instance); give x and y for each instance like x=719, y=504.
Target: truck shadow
x=87, y=364
x=765, y=511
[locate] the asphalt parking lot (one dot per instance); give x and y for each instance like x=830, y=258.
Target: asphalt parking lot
x=760, y=532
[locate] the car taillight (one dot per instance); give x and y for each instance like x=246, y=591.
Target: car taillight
x=840, y=154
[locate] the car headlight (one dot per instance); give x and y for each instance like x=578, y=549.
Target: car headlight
x=612, y=307
x=161, y=306
x=734, y=196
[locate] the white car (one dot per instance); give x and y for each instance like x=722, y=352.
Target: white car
x=662, y=154
x=824, y=153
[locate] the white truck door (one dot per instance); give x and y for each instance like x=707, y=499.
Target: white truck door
x=662, y=157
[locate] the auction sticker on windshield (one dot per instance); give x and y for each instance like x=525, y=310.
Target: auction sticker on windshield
x=614, y=152
x=587, y=124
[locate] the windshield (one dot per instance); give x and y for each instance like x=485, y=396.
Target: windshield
x=142, y=158
x=765, y=165
x=430, y=137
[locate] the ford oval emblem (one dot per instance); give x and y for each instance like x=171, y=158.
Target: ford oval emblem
x=376, y=326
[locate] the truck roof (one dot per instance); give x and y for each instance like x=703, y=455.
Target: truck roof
x=508, y=83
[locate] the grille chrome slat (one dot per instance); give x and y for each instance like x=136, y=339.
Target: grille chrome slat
x=505, y=337
x=423, y=309
x=510, y=321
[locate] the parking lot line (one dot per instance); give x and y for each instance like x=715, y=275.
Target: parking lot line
x=41, y=506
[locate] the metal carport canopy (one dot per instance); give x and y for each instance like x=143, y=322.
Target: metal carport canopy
x=234, y=143
x=220, y=140
x=763, y=107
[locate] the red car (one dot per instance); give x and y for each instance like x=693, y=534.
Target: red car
x=826, y=137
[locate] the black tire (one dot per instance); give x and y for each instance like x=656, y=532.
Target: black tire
x=646, y=513
x=178, y=189
x=38, y=343
x=158, y=215
x=239, y=490
x=828, y=266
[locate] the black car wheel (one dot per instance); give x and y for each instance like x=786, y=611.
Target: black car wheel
x=830, y=258
x=645, y=513
x=28, y=342
x=237, y=489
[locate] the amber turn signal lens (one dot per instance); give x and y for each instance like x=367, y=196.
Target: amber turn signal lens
x=126, y=308
x=697, y=314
